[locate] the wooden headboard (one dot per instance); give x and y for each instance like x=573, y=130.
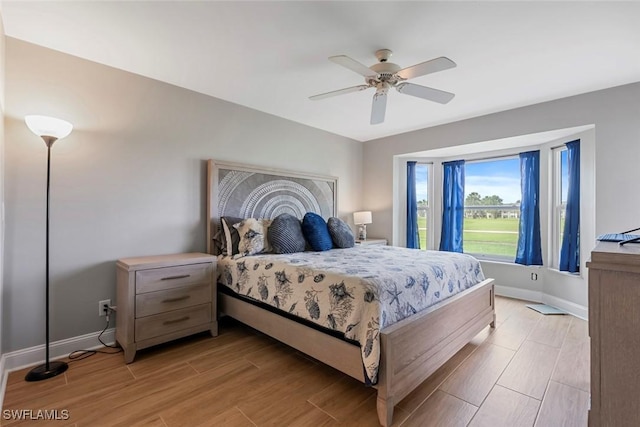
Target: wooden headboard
x=246, y=191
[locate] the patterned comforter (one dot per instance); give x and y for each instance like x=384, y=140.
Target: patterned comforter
x=355, y=291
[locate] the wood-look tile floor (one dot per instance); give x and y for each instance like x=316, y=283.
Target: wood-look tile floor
x=532, y=370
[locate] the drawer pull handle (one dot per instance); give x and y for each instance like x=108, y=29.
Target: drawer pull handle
x=182, y=298
x=182, y=276
x=182, y=319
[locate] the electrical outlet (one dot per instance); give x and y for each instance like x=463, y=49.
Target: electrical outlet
x=101, y=305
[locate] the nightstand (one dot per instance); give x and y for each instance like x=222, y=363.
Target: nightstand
x=162, y=298
x=372, y=241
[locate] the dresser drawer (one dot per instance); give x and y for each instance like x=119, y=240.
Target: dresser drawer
x=165, y=323
x=158, y=279
x=172, y=299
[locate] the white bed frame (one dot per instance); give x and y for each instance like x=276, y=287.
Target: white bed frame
x=411, y=350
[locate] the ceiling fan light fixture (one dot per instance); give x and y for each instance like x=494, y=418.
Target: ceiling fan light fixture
x=382, y=88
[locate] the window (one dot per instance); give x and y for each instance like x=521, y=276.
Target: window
x=560, y=191
x=422, y=195
x=492, y=208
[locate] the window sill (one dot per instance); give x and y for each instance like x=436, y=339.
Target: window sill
x=566, y=273
x=505, y=262
x=496, y=260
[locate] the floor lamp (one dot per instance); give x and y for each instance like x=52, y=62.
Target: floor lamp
x=50, y=130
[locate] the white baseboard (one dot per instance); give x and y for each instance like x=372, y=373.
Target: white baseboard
x=33, y=356
x=536, y=296
x=518, y=293
x=568, y=306
x=3, y=378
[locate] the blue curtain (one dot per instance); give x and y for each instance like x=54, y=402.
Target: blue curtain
x=529, y=247
x=413, y=237
x=570, y=251
x=452, y=206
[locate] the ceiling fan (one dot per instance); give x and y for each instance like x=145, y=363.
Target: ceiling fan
x=385, y=75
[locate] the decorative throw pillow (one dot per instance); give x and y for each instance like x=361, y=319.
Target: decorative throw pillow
x=285, y=235
x=316, y=232
x=341, y=233
x=218, y=242
x=253, y=234
x=232, y=238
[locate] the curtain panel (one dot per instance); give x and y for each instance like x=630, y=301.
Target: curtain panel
x=452, y=206
x=413, y=236
x=529, y=251
x=570, y=251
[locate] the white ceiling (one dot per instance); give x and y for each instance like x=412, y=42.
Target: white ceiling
x=272, y=56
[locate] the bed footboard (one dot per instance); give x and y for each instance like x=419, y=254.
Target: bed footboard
x=415, y=348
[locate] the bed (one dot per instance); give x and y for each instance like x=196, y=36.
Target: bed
x=413, y=319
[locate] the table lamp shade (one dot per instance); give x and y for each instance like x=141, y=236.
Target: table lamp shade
x=363, y=217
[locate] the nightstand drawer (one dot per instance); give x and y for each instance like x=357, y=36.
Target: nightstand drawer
x=166, y=323
x=172, y=299
x=157, y=279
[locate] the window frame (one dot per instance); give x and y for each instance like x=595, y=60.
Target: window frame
x=557, y=205
x=429, y=245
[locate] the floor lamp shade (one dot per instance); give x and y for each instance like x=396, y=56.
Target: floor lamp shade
x=50, y=130
x=44, y=126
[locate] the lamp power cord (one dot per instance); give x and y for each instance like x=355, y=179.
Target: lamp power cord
x=77, y=355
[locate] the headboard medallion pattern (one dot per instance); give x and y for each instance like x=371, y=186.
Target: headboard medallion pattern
x=245, y=191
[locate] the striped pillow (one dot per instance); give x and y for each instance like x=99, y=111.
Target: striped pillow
x=285, y=235
x=341, y=233
x=231, y=236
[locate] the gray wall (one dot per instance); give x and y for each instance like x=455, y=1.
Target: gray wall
x=615, y=113
x=129, y=180
x=2, y=110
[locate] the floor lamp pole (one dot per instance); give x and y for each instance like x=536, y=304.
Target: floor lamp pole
x=49, y=369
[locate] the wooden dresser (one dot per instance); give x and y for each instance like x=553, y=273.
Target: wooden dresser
x=161, y=298
x=614, y=328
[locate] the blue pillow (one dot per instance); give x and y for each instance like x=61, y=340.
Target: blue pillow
x=316, y=232
x=285, y=235
x=341, y=233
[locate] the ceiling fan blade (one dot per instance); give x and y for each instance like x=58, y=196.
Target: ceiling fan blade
x=379, y=107
x=424, y=92
x=428, y=67
x=339, y=92
x=353, y=65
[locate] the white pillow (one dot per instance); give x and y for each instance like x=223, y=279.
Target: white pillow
x=253, y=236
